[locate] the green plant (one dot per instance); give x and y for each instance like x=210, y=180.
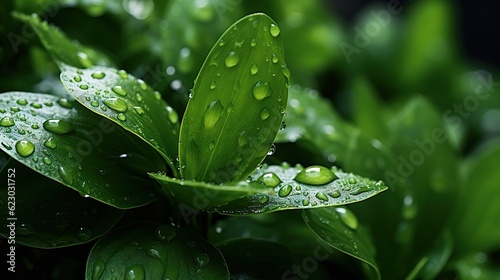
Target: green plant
x=144, y=178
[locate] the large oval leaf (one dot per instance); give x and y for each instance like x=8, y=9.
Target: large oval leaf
x=237, y=103
x=127, y=101
x=338, y=227
x=303, y=188
x=153, y=251
x=64, y=141
x=49, y=215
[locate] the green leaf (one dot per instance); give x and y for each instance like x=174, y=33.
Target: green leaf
x=48, y=214
x=201, y=195
x=127, y=101
x=477, y=266
x=299, y=188
x=60, y=47
x=65, y=142
x=474, y=226
x=249, y=258
x=338, y=227
x=149, y=250
x=233, y=116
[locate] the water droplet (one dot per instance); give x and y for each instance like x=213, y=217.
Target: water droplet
x=285, y=190
x=142, y=84
x=211, y=146
x=305, y=202
x=63, y=102
x=135, y=272
x=7, y=121
x=50, y=143
x=352, y=181
x=7, y=146
x=138, y=110
x=232, y=60
x=158, y=252
x=165, y=233
x=15, y=109
x=172, y=115
x=253, y=43
x=272, y=150
x=65, y=175
x=47, y=160
x=201, y=260
x=264, y=114
x=315, y=175
x=264, y=199
x=261, y=90
x=98, y=75
x=274, y=58
x=25, y=148
x=119, y=90
x=213, y=85
x=334, y=194
x=347, y=217
x=57, y=126
x=77, y=79
x=36, y=105
x=360, y=190
x=84, y=87
x=35, y=126
x=138, y=97
x=25, y=229
x=22, y=101
x=274, y=30
x=98, y=269
x=285, y=71
x=212, y=114
x=322, y=196
x=48, y=103
x=254, y=69
x=221, y=43
x=270, y=180
x=121, y=117
x=157, y=95
x=84, y=234
x=94, y=103
x=116, y=104
x=123, y=74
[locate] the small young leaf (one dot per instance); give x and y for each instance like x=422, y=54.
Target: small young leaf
x=152, y=251
x=127, y=101
x=60, y=47
x=338, y=227
x=256, y=259
x=50, y=215
x=237, y=103
x=202, y=195
x=64, y=141
x=299, y=188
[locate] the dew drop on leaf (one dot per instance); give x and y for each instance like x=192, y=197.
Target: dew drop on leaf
x=119, y=90
x=57, y=126
x=84, y=234
x=22, y=101
x=116, y=104
x=121, y=117
x=201, y=260
x=142, y=84
x=98, y=75
x=63, y=102
x=135, y=272
x=6, y=122
x=158, y=252
x=347, y=217
x=274, y=58
x=84, y=86
x=261, y=90
x=138, y=110
x=232, y=59
x=25, y=229
x=212, y=114
x=65, y=175
x=272, y=150
x=213, y=85
x=165, y=233
x=6, y=146
x=264, y=114
x=321, y=196
x=315, y=175
x=254, y=69
x=264, y=199
x=270, y=180
x=25, y=148
x=285, y=190
x=122, y=73
x=172, y=115
x=98, y=269
x=274, y=30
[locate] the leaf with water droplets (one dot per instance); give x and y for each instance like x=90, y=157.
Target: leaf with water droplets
x=60, y=47
x=140, y=248
x=201, y=195
x=114, y=96
x=243, y=113
x=299, y=188
x=51, y=215
x=71, y=145
x=334, y=225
